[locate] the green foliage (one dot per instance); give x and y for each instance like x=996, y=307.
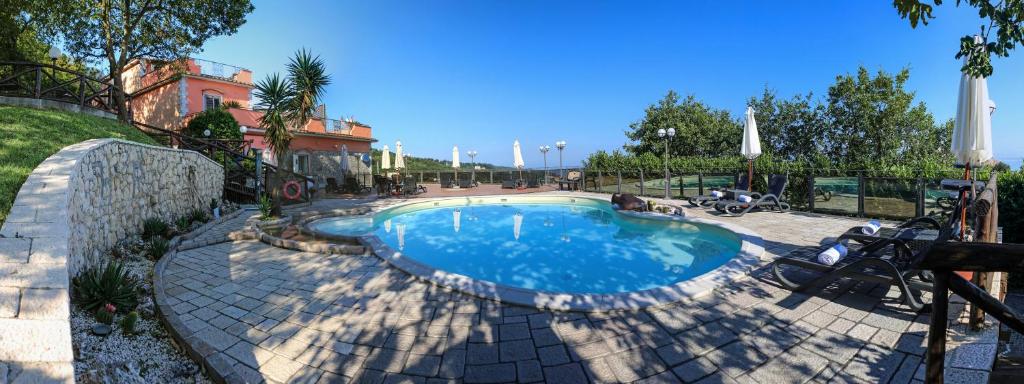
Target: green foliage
x=106, y=284
x=700, y=130
x=154, y=227
x=1005, y=18
x=220, y=123
x=128, y=322
x=30, y=135
x=1011, y=206
x=182, y=224
x=199, y=215
x=157, y=248
x=266, y=208
x=214, y=204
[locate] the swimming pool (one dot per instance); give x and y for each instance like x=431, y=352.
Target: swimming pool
x=553, y=244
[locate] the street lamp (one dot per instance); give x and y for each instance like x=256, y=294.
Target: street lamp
x=561, y=146
x=54, y=54
x=544, y=149
x=472, y=161
x=667, y=135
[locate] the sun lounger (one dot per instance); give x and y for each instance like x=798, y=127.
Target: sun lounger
x=509, y=184
x=708, y=200
x=770, y=201
x=465, y=183
x=532, y=183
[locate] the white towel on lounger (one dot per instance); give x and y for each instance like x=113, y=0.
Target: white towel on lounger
x=744, y=199
x=716, y=194
x=833, y=254
x=871, y=227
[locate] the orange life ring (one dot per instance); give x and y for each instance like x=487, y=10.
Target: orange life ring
x=288, y=186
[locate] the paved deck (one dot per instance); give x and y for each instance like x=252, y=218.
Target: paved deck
x=260, y=313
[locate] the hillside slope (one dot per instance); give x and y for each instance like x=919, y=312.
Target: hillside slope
x=28, y=136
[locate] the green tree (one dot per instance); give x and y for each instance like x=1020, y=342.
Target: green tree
x=220, y=123
x=789, y=129
x=289, y=104
x=873, y=120
x=117, y=32
x=1005, y=18
x=700, y=129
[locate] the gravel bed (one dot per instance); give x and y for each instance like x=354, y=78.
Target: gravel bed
x=148, y=356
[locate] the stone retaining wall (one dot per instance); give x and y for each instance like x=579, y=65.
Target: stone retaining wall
x=73, y=207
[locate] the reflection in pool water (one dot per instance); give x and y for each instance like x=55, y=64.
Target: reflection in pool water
x=583, y=247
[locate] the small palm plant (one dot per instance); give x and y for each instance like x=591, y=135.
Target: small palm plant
x=289, y=103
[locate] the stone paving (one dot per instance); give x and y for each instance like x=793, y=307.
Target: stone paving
x=256, y=313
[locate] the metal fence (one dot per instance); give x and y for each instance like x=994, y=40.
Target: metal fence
x=838, y=192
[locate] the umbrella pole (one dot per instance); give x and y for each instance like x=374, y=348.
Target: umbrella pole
x=963, y=203
x=750, y=174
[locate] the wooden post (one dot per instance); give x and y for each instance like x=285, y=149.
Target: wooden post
x=81, y=91
x=935, y=355
x=700, y=184
x=39, y=82
x=987, y=208
x=860, y=193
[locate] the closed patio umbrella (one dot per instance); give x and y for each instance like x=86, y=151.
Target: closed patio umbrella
x=517, y=159
x=399, y=161
x=456, y=164
x=385, y=158
x=343, y=165
x=972, y=130
x=751, y=147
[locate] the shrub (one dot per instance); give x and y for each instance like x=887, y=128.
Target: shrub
x=1011, y=206
x=128, y=322
x=198, y=215
x=213, y=204
x=157, y=248
x=182, y=224
x=154, y=226
x=266, y=206
x=107, y=284
x=220, y=123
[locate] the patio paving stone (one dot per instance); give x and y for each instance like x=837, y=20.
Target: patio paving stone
x=265, y=313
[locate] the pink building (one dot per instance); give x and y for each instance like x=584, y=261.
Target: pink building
x=168, y=94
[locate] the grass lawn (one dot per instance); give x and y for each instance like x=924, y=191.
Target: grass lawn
x=28, y=136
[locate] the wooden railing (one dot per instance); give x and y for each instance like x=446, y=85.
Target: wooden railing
x=242, y=182
x=50, y=82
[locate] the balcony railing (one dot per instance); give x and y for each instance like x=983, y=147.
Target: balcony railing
x=337, y=127
x=215, y=69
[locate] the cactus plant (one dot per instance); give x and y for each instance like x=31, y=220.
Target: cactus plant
x=105, y=315
x=128, y=322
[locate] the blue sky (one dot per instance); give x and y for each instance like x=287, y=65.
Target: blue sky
x=479, y=74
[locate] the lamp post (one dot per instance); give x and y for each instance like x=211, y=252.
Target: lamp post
x=561, y=146
x=472, y=161
x=54, y=54
x=544, y=149
x=667, y=135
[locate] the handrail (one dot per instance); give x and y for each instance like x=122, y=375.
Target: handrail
x=33, y=80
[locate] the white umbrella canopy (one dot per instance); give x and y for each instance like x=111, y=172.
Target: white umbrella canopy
x=455, y=157
x=751, y=148
x=344, y=159
x=517, y=156
x=972, y=130
x=399, y=161
x=385, y=158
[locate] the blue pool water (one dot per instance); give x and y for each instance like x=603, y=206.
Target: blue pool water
x=579, y=247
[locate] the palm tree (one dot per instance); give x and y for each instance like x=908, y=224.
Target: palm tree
x=289, y=104
x=274, y=94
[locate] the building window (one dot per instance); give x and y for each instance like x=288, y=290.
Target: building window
x=300, y=164
x=211, y=101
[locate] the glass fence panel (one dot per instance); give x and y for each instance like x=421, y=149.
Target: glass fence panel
x=836, y=195
x=654, y=183
x=686, y=186
x=447, y=179
x=796, y=192
x=937, y=201
x=890, y=198
x=631, y=182
x=718, y=181
x=482, y=177
x=591, y=181
x=500, y=176
x=609, y=182
x=429, y=177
